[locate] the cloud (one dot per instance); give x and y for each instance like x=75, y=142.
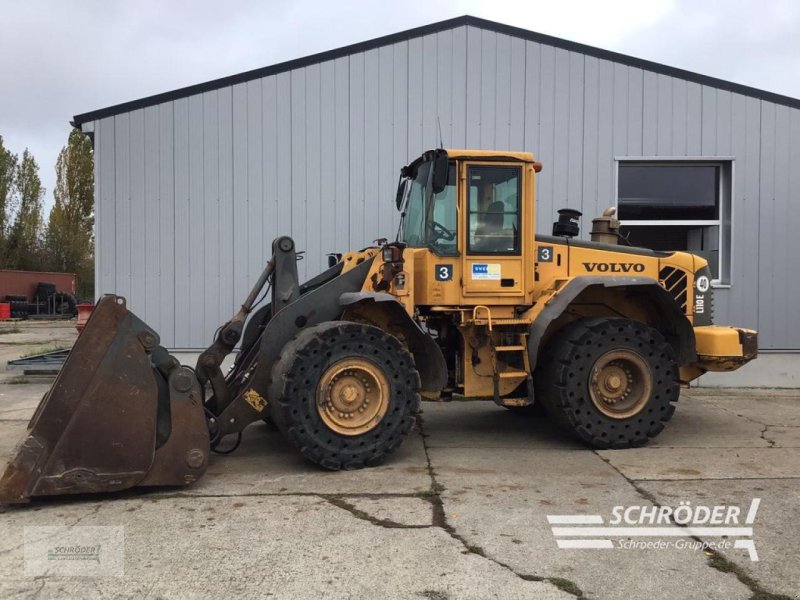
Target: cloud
x=63, y=57
x=756, y=44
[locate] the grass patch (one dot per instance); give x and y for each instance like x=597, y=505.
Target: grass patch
x=44, y=350
x=435, y=490
x=6, y=330
x=434, y=595
x=566, y=585
x=722, y=564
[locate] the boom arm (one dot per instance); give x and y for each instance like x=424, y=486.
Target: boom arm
x=281, y=273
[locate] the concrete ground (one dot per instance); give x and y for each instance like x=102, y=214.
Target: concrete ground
x=460, y=511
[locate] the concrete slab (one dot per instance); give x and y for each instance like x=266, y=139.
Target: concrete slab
x=266, y=523
x=499, y=500
x=705, y=463
x=19, y=400
x=404, y=512
x=775, y=408
x=702, y=422
x=776, y=529
x=258, y=547
x=483, y=424
x=11, y=433
x=266, y=464
x=782, y=437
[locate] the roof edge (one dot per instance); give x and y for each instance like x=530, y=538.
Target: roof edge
x=462, y=21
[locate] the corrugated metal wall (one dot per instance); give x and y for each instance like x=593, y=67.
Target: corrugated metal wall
x=190, y=193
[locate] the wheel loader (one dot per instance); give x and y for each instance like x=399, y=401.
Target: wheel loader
x=466, y=302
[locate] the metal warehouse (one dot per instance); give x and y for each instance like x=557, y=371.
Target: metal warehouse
x=193, y=185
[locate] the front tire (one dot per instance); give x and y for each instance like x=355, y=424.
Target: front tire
x=345, y=394
x=611, y=382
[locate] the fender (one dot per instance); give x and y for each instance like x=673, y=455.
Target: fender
x=259, y=319
x=679, y=332
x=428, y=357
x=315, y=305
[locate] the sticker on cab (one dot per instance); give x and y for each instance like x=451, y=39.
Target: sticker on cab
x=444, y=273
x=485, y=271
x=545, y=254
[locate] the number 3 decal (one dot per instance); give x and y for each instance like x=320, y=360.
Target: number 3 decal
x=444, y=272
x=545, y=254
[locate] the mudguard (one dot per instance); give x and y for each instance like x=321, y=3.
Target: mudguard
x=319, y=304
x=428, y=356
x=673, y=323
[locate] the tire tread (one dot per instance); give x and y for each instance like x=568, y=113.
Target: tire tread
x=558, y=379
x=293, y=381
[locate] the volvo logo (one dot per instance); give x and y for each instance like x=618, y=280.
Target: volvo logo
x=613, y=267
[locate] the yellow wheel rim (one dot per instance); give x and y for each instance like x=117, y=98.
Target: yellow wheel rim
x=621, y=384
x=352, y=396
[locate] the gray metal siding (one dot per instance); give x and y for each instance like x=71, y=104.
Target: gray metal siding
x=191, y=192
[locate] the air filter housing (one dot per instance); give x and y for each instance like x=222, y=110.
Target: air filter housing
x=567, y=224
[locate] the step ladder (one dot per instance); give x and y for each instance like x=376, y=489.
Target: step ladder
x=516, y=352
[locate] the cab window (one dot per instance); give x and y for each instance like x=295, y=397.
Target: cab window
x=494, y=210
x=443, y=226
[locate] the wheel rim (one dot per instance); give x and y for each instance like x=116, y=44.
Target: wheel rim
x=352, y=396
x=621, y=384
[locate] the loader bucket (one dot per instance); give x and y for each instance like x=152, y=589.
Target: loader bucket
x=122, y=412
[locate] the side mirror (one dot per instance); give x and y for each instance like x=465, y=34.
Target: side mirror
x=440, y=169
x=401, y=189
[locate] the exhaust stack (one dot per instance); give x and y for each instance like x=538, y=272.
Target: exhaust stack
x=605, y=229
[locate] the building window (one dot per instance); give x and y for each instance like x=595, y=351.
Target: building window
x=494, y=210
x=678, y=205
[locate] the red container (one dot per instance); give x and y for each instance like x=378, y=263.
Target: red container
x=5, y=311
x=84, y=312
x=23, y=283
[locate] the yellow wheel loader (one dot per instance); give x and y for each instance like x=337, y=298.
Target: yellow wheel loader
x=467, y=302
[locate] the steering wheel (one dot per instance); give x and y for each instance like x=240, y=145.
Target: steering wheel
x=442, y=232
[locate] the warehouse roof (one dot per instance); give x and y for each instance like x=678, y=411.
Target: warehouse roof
x=465, y=20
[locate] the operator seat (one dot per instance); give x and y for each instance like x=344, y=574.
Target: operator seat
x=490, y=235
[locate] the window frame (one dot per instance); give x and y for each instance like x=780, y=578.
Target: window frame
x=468, y=213
x=726, y=182
x=439, y=251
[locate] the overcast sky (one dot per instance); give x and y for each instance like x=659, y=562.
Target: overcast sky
x=59, y=58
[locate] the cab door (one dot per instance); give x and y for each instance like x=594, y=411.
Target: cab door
x=493, y=246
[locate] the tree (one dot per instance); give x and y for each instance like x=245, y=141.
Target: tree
x=8, y=170
x=70, y=229
x=25, y=239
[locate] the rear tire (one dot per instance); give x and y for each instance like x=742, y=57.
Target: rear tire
x=331, y=353
x=611, y=382
x=65, y=304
